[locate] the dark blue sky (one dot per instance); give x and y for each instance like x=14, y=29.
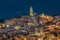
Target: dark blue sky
x=12, y=8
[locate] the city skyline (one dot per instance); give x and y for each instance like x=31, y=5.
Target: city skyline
x=29, y=19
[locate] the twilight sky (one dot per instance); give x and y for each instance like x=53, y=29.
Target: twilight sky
x=13, y=8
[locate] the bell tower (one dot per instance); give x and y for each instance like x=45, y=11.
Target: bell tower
x=31, y=11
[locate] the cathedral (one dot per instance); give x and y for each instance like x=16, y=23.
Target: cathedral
x=33, y=18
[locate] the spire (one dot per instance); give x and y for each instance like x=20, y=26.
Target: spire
x=31, y=11
x=42, y=15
